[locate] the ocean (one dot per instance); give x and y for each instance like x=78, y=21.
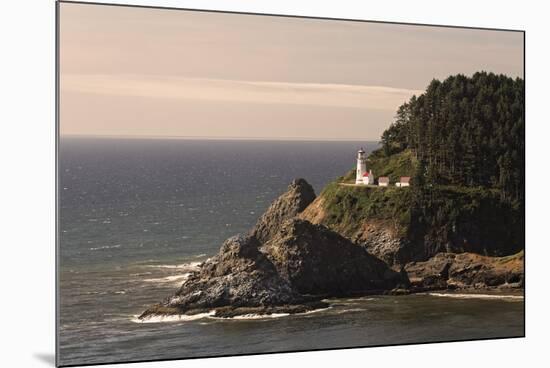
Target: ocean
x=137, y=215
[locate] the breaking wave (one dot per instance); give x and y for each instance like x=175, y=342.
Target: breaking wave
x=170, y=279
x=173, y=318
x=191, y=266
x=272, y=315
x=106, y=247
x=256, y=316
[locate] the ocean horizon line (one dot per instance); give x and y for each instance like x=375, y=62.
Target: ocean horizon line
x=212, y=138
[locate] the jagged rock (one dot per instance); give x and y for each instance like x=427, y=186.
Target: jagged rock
x=285, y=265
x=466, y=270
x=382, y=243
x=297, y=197
x=316, y=260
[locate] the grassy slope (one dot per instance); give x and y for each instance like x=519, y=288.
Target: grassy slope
x=347, y=208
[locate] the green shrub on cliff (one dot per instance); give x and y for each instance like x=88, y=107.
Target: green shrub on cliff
x=348, y=207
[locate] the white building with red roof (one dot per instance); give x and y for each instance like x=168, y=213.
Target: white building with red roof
x=368, y=178
x=404, y=181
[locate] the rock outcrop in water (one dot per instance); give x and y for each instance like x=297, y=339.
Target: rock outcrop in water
x=466, y=270
x=238, y=280
x=284, y=265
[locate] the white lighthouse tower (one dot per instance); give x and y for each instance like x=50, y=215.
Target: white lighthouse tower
x=361, y=166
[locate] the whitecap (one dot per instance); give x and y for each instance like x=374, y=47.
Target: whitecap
x=191, y=266
x=316, y=310
x=350, y=310
x=141, y=274
x=169, y=279
x=106, y=247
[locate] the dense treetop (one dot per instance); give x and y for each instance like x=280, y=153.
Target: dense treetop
x=467, y=131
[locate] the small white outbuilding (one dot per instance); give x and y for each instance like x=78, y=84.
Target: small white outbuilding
x=368, y=178
x=383, y=181
x=404, y=181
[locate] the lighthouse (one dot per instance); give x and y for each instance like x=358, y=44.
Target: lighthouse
x=361, y=166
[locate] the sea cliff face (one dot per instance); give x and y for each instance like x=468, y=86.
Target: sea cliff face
x=401, y=225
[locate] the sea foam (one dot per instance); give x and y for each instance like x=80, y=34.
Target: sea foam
x=106, y=247
x=170, y=279
x=192, y=266
x=478, y=296
x=272, y=315
x=173, y=318
x=256, y=316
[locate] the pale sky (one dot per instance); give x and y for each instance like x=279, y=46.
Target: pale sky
x=152, y=72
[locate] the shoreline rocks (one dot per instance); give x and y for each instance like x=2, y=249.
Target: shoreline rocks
x=466, y=271
x=238, y=276
x=287, y=264
x=284, y=265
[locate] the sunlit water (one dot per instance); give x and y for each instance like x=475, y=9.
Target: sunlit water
x=138, y=215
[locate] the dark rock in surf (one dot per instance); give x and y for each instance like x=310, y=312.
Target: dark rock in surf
x=238, y=277
x=466, y=270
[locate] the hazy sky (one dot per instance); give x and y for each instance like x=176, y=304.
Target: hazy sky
x=154, y=72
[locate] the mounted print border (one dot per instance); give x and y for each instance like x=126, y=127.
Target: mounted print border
x=239, y=183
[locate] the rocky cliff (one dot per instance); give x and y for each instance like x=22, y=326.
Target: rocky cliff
x=316, y=260
x=284, y=265
x=400, y=225
x=298, y=196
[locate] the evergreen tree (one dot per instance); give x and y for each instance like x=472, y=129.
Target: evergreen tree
x=465, y=131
